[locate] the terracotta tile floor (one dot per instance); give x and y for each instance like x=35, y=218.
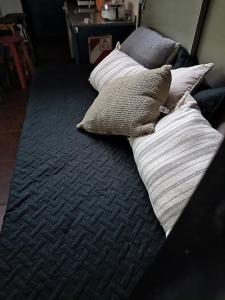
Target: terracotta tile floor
x=12, y=113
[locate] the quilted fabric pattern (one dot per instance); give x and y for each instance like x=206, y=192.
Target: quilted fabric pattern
x=79, y=224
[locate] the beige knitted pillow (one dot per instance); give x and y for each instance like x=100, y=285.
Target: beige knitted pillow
x=129, y=105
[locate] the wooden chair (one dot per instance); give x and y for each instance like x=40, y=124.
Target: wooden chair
x=8, y=27
x=13, y=42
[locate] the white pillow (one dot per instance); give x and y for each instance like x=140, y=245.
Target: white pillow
x=116, y=64
x=172, y=160
x=185, y=80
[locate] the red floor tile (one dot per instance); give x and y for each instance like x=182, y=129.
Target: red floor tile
x=6, y=172
x=8, y=146
x=2, y=213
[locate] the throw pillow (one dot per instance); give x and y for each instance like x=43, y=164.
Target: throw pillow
x=116, y=64
x=173, y=159
x=183, y=80
x=149, y=48
x=129, y=105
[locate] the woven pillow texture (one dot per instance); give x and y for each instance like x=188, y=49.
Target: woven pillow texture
x=129, y=105
x=149, y=48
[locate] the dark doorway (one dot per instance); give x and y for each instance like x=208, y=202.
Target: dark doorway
x=47, y=24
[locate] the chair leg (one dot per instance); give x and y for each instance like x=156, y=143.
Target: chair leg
x=19, y=66
x=27, y=57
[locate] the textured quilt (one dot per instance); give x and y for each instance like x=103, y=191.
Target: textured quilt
x=79, y=224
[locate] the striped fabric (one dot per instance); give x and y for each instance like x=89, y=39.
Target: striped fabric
x=173, y=159
x=116, y=64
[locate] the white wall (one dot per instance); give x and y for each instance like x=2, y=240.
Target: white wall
x=175, y=18
x=212, y=43
x=133, y=5
x=10, y=6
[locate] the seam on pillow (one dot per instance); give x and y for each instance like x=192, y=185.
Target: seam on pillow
x=207, y=68
x=173, y=54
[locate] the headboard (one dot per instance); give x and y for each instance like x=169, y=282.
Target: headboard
x=179, y=20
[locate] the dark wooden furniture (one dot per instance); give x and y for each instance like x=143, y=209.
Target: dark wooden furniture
x=79, y=31
x=12, y=42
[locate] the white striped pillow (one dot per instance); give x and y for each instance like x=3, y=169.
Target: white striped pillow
x=116, y=64
x=173, y=159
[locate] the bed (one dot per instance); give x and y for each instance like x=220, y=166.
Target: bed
x=79, y=224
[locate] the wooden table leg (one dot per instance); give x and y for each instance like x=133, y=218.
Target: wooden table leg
x=27, y=57
x=18, y=65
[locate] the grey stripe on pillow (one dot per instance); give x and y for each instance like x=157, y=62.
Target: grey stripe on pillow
x=172, y=160
x=116, y=64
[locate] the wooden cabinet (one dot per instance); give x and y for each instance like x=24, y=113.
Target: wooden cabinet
x=78, y=31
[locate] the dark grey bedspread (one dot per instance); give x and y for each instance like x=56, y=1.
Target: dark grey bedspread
x=79, y=224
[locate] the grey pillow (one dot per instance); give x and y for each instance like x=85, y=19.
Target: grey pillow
x=149, y=48
x=129, y=105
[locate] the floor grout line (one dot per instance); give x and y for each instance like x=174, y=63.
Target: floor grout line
x=11, y=131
